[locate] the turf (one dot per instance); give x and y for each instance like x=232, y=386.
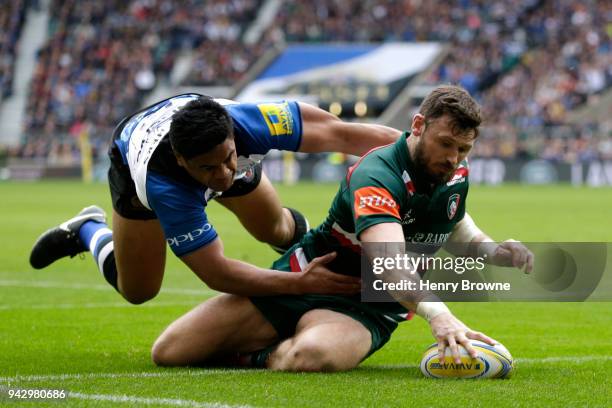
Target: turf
x=63, y=328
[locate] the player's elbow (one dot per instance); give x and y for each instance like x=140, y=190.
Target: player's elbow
x=209, y=264
x=217, y=286
x=214, y=278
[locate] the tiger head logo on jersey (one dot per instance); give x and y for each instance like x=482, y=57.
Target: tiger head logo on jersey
x=453, y=205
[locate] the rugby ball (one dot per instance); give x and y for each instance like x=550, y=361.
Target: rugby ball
x=491, y=362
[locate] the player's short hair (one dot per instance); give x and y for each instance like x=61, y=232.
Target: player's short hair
x=455, y=102
x=199, y=126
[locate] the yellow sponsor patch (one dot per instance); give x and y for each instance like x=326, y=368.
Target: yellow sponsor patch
x=277, y=117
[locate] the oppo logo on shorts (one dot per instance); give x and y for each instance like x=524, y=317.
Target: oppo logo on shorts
x=189, y=237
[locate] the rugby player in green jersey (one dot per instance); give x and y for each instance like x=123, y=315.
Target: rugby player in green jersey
x=413, y=190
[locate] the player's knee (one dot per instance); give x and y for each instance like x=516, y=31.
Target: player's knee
x=137, y=297
x=159, y=353
x=163, y=352
x=310, y=355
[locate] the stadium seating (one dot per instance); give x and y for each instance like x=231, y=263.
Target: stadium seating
x=100, y=59
x=12, y=15
x=220, y=57
x=529, y=62
x=103, y=57
x=568, y=60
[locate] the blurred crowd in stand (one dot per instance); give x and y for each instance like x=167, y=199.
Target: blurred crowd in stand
x=102, y=58
x=12, y=16
x=529, y=62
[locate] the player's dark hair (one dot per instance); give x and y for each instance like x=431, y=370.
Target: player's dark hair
x=455, y=102
x=199, y=126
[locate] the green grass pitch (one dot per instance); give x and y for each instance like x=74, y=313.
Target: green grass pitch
x=64, y=328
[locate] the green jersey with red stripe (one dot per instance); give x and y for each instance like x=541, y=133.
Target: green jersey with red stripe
x=384, y=186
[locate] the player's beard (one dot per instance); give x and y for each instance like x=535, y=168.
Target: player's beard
x=422, y=163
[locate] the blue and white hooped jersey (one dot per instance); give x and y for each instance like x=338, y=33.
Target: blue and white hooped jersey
x=164, y=187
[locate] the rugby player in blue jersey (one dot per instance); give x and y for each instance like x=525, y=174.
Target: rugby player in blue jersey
x=169, y=160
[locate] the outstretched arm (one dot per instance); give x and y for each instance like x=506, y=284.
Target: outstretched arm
x=240, y=278
x=324, y=132
x=446, y=328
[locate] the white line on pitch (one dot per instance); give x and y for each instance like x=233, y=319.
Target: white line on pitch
x=150, y=401
x=203, y=372
x=62, y=285
x=95, y=305
x=143, y=374
x=568, y=359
